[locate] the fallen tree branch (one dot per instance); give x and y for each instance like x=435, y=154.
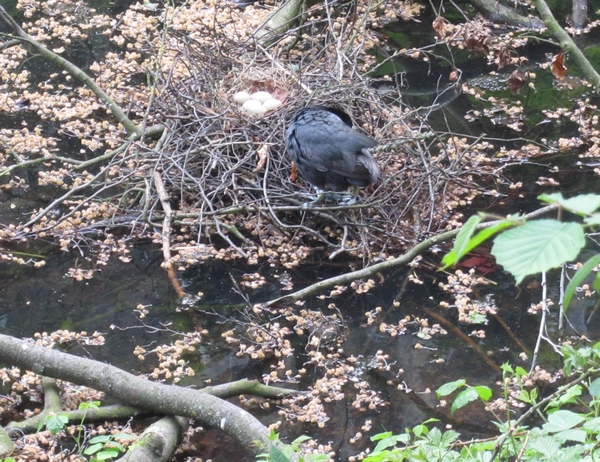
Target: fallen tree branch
x=409, y=256
x=495, y=11
x=76, y=416
x=165, y=234
x=567, y=43
x=280, y=22
x=6, y=444
x=165, y=399
x=52, y=404
x=158, y=442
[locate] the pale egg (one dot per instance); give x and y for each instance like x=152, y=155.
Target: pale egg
x=261, y=96
x=241, y=97
x=271, y=104
x=254, y=107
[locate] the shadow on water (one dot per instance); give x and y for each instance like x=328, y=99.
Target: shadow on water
x=45, y=300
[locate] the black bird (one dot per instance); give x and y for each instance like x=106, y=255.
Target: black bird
x=328, y=152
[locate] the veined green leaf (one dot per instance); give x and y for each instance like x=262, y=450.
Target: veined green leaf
x=583, y=204
x=465, y=243
x=464, y=398
x=450, y=387
x=538, y=246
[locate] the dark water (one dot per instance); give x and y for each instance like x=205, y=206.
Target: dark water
x=45, y=300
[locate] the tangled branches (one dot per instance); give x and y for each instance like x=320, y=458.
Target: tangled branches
x=229, y=175
x=230, y=189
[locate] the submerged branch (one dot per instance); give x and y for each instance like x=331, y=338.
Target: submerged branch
x=75, y=71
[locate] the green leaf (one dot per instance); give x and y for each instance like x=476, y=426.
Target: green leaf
x=95, y=405
x=477, y=318
x=388, y=440
x=464, y=243
x=93, y=449
x=562, y=420
x=546, y=445
x=571, y=435
x=461, y=242
x=593, y=425
x=101, y=439
x=568, y=397
x=317, y=458
x=554, y=198
x=484, y=393
x=275, y=455
x=579, y=277
x=107, y=454
x=118, y=446
x=596, y=283
x=538, y=246
x=301, y=439
x=464, y=398
x=507, y=368
x=594, y=388
x=592, y=220
x=521, y=372
x=524, y=396
x=420, y=430
x=56, y=423
x=583, y=204
x=450, y=387
x=381, y=436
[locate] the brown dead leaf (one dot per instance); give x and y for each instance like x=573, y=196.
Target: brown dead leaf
x=504, y=58
x=439, y=26
x=263, y=155
x=280, y=94
x=515, y=81
x=477, y=41
x=557, y=67
x=294, y=173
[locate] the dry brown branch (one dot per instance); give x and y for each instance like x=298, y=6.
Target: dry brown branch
x=166, y=233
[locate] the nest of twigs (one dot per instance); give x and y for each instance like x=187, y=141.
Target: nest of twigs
x=229, y=176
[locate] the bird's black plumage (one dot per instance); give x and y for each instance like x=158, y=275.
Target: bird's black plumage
x=329, y=154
